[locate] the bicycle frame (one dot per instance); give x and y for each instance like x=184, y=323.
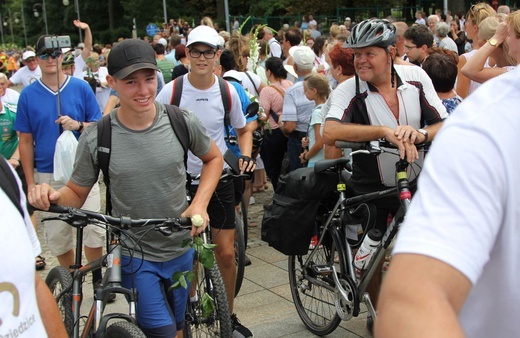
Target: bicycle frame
x=111, y=284
x=341, y=206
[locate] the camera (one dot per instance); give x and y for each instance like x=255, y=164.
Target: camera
x=57, y=42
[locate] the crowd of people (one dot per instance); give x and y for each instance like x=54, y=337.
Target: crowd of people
x=379, y=78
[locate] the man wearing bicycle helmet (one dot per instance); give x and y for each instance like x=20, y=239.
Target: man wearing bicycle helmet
x=67, y=65
x=384, y=100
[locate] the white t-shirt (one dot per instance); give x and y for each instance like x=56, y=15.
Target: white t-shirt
x=466, y=211
x=251, y=86
x=10, y=99
x=102, y=93
x=18, y=247
x=25, y=76
x=80, y=66
x=208, y=106
x=274, y=47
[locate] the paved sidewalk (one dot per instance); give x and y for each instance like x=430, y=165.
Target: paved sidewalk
x=264, y=304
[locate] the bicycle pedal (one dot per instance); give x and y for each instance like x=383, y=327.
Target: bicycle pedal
x=322, y=269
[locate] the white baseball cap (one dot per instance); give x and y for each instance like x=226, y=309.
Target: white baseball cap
x=303, y=56
x=28, y=54
x=204, y=34
x=163, y=42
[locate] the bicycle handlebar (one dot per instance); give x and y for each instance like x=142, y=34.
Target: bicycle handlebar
x=70, y=214
x=371, y=147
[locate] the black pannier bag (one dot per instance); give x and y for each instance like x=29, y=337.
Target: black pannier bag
x=288, y=223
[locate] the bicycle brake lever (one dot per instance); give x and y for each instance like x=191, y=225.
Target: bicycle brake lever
x=166, y=231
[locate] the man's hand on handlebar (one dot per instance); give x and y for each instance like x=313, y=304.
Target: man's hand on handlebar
x=42, y=196
x=246, y=164
x=192, y=211
x=403, y=139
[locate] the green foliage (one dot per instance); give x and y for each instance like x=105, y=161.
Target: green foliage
x=204, y=254
x=208, y=305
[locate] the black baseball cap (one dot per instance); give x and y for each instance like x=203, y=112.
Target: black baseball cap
x=40, y=45
x=129, y=56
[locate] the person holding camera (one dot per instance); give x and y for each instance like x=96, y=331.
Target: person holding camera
x=40, y=124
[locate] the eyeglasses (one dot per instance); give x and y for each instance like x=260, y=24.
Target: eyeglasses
x=409, y=47
x=54, y=55
x=208, y=54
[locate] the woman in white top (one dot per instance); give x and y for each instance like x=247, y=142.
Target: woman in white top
x=493, y=30
x=319, y=48
x=476, y=14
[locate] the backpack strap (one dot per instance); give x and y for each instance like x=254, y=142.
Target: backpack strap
x=224, y=92
x=177, y=91
x=226, y=101
x=9, y=185
x=104, y=129
x=253, y=83
x=180, y=128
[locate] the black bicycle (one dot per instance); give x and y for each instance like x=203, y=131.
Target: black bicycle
x=324, y=286
x=67, y=288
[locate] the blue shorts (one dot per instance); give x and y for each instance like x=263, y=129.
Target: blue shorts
x=159, y=312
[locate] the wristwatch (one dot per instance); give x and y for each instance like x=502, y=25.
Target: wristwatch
x=425, y=133
x=493, y=42
x=80, y=126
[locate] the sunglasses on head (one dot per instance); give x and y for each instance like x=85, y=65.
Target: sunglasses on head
x=53, y=54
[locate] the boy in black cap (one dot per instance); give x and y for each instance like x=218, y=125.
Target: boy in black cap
x=147, y=180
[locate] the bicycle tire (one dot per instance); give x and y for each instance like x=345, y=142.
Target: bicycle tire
x=58, y=280
x=218, y=322
x=315, y=303
x=240, y=252
x=123, y=329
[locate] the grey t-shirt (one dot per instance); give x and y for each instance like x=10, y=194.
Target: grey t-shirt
x=147, y=175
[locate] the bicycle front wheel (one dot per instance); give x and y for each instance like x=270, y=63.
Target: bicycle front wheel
x=57, y=280
x=240, y=252
x=124, y=329
x=313, y=286
x=217, y=321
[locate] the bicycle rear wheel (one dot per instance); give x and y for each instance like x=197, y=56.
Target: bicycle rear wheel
x=123, y=329
x=312, y=285
x=57, y=280
x=218, y=322
x=240, y=252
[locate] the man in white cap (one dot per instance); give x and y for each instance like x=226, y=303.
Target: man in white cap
x=297, y=109
x=27, y=74
x=201, y=94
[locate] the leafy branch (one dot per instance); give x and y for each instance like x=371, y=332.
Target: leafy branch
x=181, y=279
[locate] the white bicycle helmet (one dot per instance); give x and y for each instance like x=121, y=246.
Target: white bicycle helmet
x=372, y=32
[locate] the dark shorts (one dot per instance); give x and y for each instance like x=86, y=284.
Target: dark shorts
x=221, y=207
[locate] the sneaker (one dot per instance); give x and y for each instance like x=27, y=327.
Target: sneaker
x=111, y=296
x=314, y=242
x=239, y=330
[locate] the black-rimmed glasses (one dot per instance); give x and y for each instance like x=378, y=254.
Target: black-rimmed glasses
x=54, y=54
x=208, y=54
